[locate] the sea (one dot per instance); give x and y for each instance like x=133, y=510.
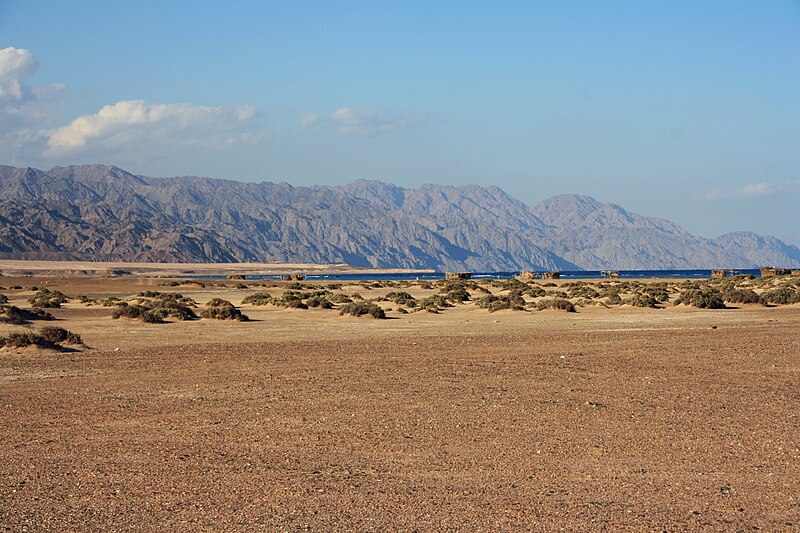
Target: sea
x=573, y=274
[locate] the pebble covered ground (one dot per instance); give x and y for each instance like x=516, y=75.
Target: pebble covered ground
x=637, y=419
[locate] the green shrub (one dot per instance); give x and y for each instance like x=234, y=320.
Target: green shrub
x=319, y=301
x=258, y=298
x=56, y=335
x=361, y=309
x=559, y=304
x=784, y=295
x=703, y=297
x=402, y=298
x=642, y=300
x=3, y=299
x=495, y=303
x=340, y=299
x=46, y=298
x=219, y=309
x=740, y=296
x=47, y=337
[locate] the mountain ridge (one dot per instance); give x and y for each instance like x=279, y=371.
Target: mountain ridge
x=103, y=212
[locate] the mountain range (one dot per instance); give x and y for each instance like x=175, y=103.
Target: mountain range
x=103, y=213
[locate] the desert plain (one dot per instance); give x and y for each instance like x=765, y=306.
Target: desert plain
x=613, y=417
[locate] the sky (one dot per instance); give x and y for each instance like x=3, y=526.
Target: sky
x=683, y=110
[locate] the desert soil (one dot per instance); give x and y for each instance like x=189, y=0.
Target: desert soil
x=637, y=419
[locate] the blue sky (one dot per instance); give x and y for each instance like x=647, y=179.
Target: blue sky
x=684, y=110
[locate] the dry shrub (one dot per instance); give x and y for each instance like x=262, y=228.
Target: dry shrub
x=219, y=309
x=361, y=309
x=558, y=304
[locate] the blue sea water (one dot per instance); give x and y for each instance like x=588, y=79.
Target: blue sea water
x=577, y=274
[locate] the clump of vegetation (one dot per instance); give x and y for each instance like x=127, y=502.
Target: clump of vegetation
x=642, y=300
x=258, y=298
x=740, y=296
x=219, y=309
x=783, y=295
x=47, y=337
x=361, y=309
x=558, y=304
x=340, y=298
x=580, y=289
x=12, y=314
x=433, y=304
x=534, y=291
x=319, y=301
x=153, y=307
x=702, y=297
x=58, y=335
x=496, y=303
x=3, y=299
x=240, y=286
x=402, y=298
x=47, y=299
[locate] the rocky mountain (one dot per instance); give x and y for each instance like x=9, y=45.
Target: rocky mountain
x=104, y=213
x=604, y=236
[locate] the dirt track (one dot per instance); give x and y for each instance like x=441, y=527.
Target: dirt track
x=623, y=419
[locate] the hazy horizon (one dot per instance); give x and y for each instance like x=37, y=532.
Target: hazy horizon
x=683, y=111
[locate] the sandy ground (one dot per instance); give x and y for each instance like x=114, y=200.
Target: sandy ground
x=636, y=419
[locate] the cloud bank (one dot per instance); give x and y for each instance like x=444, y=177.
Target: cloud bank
x=752, y=190
x=360, y=122
x=135, y=125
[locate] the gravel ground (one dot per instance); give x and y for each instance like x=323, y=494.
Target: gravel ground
x=641, y=420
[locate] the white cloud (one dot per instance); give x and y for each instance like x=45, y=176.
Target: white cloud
x=752, y=190
x=136, y=126
x=361, y=122
x=16, y=64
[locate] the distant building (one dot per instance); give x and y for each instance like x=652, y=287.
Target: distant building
x=458, y=275
x=767, y=272
x=553, y=274
x=527, y=275
x=718, y=273
x=293, y=277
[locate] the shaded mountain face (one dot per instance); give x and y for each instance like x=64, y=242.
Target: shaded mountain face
x=97, y=212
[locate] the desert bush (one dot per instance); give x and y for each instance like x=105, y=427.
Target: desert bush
x=535, y=291
x=3, y=299
x=15, y=287
x=11, y=314
x=319, y=301
x=740, y=296
x=495, y=303
x=402, y=298
x=642, y=300
x=45, y=298
x=436, y=301
x=361, y=309
x=47, y=337
x=340, y=298
x=56, y=335
x=559, y=304
x=702, y=297
x=457, y=295
x=295, y=304
x=659, y=292
x=582, y=290
x=784, y=295
x=258, y=298
x=219, y=309
x=614, y=299
x=240, y=286
x=557, y=294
